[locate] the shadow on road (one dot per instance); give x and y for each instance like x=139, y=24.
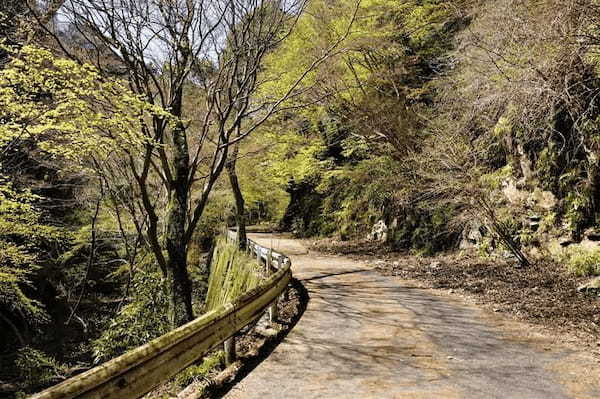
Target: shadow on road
x=321, y=276
x=250, y=363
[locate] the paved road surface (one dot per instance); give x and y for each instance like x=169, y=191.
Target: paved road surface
x=364, y=335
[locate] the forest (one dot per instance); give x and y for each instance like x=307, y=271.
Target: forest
x=133, y=132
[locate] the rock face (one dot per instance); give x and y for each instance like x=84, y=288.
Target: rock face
x=543, y=199
x=592, y=287
x=512, y=192
x=472, y=235
x=379, y=232
x=536, y=199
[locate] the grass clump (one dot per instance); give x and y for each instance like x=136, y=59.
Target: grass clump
x=195, y=372
x=232, y=273
x=584, y=262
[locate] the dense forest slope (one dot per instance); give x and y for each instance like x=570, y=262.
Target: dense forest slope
x=460, y=121
x=423, y=125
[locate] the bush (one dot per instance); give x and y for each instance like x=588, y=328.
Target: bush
x=584, y=262
x=143, y=319
x=37, y=368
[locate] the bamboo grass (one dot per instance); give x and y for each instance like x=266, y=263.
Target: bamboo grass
x=232, y=273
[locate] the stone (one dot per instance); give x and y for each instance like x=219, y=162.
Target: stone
x=592, y=234
x=591, y=287
x=589, y=244
x=472, y=235
x=565, y=241
x=379, y=232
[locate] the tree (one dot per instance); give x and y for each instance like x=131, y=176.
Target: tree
x=195, y=59
x=70, y=114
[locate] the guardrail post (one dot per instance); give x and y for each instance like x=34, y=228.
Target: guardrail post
x=273, y=307
x=229, y=348
x=286, y=293
x=269, y=260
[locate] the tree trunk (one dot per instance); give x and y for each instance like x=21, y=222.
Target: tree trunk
x=240, y=216
x=180, y=311
x=593, y=184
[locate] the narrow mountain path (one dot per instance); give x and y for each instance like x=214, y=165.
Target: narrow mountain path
x=364, y=335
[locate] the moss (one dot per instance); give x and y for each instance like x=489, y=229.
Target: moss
x=193, y=373
x=495, y=179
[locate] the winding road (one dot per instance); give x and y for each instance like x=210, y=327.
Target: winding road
x=364, y=335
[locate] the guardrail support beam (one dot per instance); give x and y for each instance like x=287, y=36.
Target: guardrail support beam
x=229, y=348
x=273, y=315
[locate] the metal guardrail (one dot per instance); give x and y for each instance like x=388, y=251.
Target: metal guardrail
x=277, y=260
x=138, y=371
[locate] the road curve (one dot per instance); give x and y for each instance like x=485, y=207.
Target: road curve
x=364, y=335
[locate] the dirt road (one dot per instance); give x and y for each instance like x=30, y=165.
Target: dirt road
x=364, y=335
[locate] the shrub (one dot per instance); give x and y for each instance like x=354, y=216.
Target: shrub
x=584, y=262
x=143, y=319
x=37, y=368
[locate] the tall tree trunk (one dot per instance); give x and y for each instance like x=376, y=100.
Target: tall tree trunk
x=240, y=216
x=593, y=184
x=180, y=311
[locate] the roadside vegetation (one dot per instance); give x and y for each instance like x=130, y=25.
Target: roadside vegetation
x=130, y=137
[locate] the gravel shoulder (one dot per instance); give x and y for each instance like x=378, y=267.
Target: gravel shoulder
x=369, y=335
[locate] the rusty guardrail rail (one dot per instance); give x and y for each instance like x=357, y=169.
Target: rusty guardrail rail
x=138, y=371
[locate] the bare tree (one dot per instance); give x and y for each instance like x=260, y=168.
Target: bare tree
x=201, y=61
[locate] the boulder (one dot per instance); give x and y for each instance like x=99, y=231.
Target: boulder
x=590, y=245
x=379, y=232
x=472, y=235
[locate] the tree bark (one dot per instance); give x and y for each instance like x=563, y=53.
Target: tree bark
x=240, y=215
x=180, y=311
